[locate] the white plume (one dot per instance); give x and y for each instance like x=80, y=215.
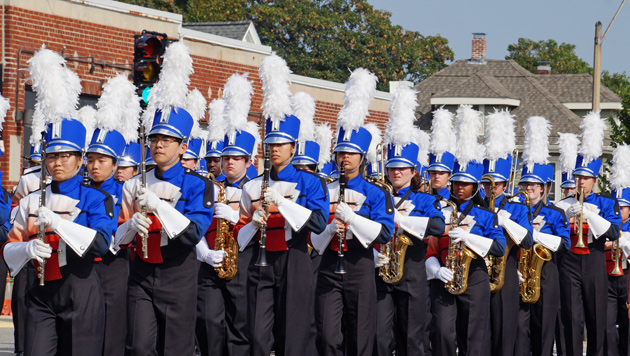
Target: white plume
x=237, y=94
x=399, y=130
x=360, y=90
x=423, y=140
x=274, y=74
x=620, y=177
x=216, y=122
x=303, y=106
x=536, y=144
x=253, y=129
x=568, y=146
x=88, y=117
x=500, y=138
x=38, y=125
x=4, y=108
x=113, y=104
x=196, y=107
x=57, y=88
x=147, y=116
x=467, y=127
x=442, y=134
x=372, y=154
x=171, y=89
x=593, y=128
x=323, y=137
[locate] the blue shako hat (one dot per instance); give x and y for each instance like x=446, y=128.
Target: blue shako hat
x=539, y=173
x=398, y=156
x=131, y=156
x=36, y=152
x=306, y=153
x=326, y=170
x=65, y=136
x=589, y=170
x=214, y=149
x=238, y=144
x=498, y=169
x=174, y=122
x=353, y=141
x=252, y=172
x=194, y=148
x=110, y=143
x=471, y=173
x=567, y=181
x=443, y=163
x=202, y=168
x=373, y=170
x=551, y=173
x=282, y=131
x=623, y=196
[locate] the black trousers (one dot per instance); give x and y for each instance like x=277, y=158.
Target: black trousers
x=504, y=306
x=66, y=316
x=462, y=323
x=222, y=327
x=544, y=312
x=22, y=282
x=617, y=316
x=583, y=294
x=401, y=308
x=345, y=304
x=280, y=302
x=113, y=273
x=161, y=306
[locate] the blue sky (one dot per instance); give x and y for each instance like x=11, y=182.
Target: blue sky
x=504, y=21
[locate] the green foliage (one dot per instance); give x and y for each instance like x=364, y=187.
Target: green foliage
x=214, y=10
x=620, y=127
x=562, y=56
x=175, y=6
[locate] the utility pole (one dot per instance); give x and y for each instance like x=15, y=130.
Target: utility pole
x=597, y=58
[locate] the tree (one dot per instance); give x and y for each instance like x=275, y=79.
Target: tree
x=562, y=56
x=328, y=38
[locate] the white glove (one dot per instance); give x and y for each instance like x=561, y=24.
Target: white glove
x=502, y=219
x=331, y=228
x=224, y=211
x=345, y=213
x=380, y=259
x=273, y=196
x=38, y=250
x=459, y=235
x=148, y=200
x=140, y=223
x=258, y=219
x=397, y=217
x=520, y=276
x=48, y=218
x=214, y=257
x=444, y=274
x=574, y=210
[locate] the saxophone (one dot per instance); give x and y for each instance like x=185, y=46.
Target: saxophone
x=458, y=258
x=530, y=266
x=224, y=240
x=392, y=272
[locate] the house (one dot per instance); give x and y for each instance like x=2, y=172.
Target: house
x=488, y=84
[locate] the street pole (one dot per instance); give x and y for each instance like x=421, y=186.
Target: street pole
x=597, y=65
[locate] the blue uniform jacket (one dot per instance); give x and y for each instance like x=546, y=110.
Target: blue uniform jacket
x=520, y=214
x=556, y=223
x=378, y=206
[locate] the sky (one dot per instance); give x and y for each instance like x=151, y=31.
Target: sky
x=505, y=21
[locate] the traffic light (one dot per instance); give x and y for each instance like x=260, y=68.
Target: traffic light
x=147, y=62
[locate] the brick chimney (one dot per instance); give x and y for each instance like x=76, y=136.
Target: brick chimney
x=544, y=67
x=478, y=47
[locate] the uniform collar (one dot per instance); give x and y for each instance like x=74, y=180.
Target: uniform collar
x=107, y=185
x=354, y=182
x=170, y=173
x=284, y=174
x=68, y=186
x=238, y=184
x=402, y=191
x=445, y=193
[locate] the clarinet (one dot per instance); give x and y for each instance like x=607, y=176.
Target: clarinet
x=262, y=254
x=143, y=184
x=341, y=269
x=41, y=232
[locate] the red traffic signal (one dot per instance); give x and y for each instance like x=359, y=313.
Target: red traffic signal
x=147, y=62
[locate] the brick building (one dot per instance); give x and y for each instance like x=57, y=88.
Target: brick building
x=96, y=38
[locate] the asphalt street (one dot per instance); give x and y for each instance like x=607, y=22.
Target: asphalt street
x=6, y=336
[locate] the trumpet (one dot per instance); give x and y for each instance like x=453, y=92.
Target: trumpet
x=578, y=225
x=615, y=256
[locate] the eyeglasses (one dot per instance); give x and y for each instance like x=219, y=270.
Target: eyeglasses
x=164, y=139
x=62, y=157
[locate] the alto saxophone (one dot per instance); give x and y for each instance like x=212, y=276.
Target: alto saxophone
x=458, y=258
x=224, y=240
x=530, y=265
x=392, y=272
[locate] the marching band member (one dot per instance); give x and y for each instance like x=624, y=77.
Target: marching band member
x=462, y=322
x=583, y=288
x=77, y=220
x=215, y=143
x=441, y=158
x=537, y=317
x=222, y=327
x=417, y=215
x=515, y=220
x=617, y=317
x=568, y=147
x=196, y=106
x=118, y=113
x=280, y=288
x=346, y=302
x=178, y=204
x=128, y=163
